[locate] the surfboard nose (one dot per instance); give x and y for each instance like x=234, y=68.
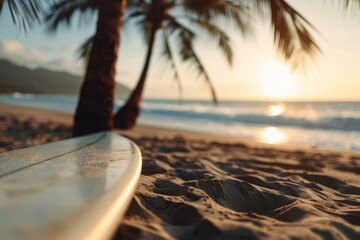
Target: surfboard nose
x=78, y=188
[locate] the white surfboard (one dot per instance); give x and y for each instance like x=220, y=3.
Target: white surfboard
x=73, y=189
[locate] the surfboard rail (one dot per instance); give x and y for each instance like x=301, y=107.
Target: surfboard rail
x=78, y=188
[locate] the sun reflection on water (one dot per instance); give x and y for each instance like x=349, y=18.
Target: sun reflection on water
x=273, y=135
x=276, y=109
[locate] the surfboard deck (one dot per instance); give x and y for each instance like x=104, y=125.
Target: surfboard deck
x=72, y=189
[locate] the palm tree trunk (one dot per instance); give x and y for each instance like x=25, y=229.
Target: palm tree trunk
x=95, y=108
x=126, y=116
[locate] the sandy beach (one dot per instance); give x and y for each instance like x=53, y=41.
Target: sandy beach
x=198, y=186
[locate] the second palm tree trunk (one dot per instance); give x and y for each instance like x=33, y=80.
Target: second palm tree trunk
x=126, y=116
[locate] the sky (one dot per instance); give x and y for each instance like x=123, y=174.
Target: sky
x=257, y=68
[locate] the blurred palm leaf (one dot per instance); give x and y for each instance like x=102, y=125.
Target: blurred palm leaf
x=172, y=17
x=293, y=34
x=291, y=31
x=25, y=13
x=64, y=11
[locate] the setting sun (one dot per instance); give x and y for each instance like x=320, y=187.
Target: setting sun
x=276, y=80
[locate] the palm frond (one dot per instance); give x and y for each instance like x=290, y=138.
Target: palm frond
x=292, y=36
x=169, y=56
x=185, y=39
x=85, y=49
x=349, y=5
x=63, y=12
x=216, y=34
x=25, y=13
x=230, y=12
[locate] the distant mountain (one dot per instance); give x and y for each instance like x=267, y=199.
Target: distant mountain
x=14, y=78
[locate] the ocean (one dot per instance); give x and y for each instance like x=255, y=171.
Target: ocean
x=331, y=125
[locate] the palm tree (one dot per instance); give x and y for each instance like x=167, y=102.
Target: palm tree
x=291, y=36
x=158, y=16
x=95, y=107
x=94, y=112
x=173, y=21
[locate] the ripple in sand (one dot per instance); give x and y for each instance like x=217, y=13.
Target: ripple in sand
x=241, y=196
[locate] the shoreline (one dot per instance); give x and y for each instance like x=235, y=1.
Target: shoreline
x=144, y=129
x=199, y=186
x=147, y=130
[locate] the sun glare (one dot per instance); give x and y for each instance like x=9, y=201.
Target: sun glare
x=276, y=80
x=276, y=109
x=272, y=135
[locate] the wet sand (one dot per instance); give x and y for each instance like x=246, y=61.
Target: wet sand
x=198, y=186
